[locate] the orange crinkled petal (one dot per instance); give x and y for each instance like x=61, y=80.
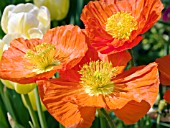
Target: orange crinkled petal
x=118, y=60
x=167, y=96
x=132, y=111
x=68, y=114
x=164, y=68
x=68, y=41
x=138, y=83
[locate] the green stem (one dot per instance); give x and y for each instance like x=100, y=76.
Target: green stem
x=31, y=111
x=3, y=121
x=102, y=122
x=6, y=100
x=108, y=118
x=39, y=109
x=132, y=61
x=158, y=120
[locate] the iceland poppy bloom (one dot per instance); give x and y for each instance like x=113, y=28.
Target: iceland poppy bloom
x=117, y=25
x=163, y=66
x=100, y=83
x=26, y=61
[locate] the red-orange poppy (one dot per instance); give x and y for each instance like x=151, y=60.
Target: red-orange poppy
x=100, y=83
x=117, y=25
x=164, y=68
x=29, y=60
x=167, y=95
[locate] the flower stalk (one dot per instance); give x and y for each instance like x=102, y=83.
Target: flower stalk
x=5, y=97
x=108, y=118
x=31, y=111
x=39, y=109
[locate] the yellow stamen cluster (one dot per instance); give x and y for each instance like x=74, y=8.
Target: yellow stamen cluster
x=120, y=25
x=96, y=78
x=43, y=57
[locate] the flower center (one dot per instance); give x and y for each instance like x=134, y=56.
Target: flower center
x=43, y=57
x=96, y=78
x=120, y=25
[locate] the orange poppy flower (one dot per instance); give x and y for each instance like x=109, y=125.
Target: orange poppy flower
x=163, y=66
x=100, y=83
x=29, y=60
x=117, y=25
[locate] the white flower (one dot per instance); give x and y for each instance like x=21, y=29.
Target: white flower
x=25, y=20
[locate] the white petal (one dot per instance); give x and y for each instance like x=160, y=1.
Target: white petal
x=44, y=16
x=35, y=33
x=44, y=19
x=4, y=20
x=22, y=22
x=24, y=8
x=15, y=23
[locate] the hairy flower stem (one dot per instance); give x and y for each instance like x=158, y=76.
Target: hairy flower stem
x=132, y=61
x=108, y=118
x=31, y=111
x=39, y=109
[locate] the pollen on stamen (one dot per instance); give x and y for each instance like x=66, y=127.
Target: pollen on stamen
x=120, y=25
x=96, y=78
x=43, y=57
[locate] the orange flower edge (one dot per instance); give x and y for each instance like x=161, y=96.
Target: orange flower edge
x=163, y=66
x=111, y=25
x=167, y=96
x=67, y=113
x=132, y=111
x=29, y=60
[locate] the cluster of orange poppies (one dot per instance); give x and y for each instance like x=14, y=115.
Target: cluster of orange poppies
x=91, y=64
